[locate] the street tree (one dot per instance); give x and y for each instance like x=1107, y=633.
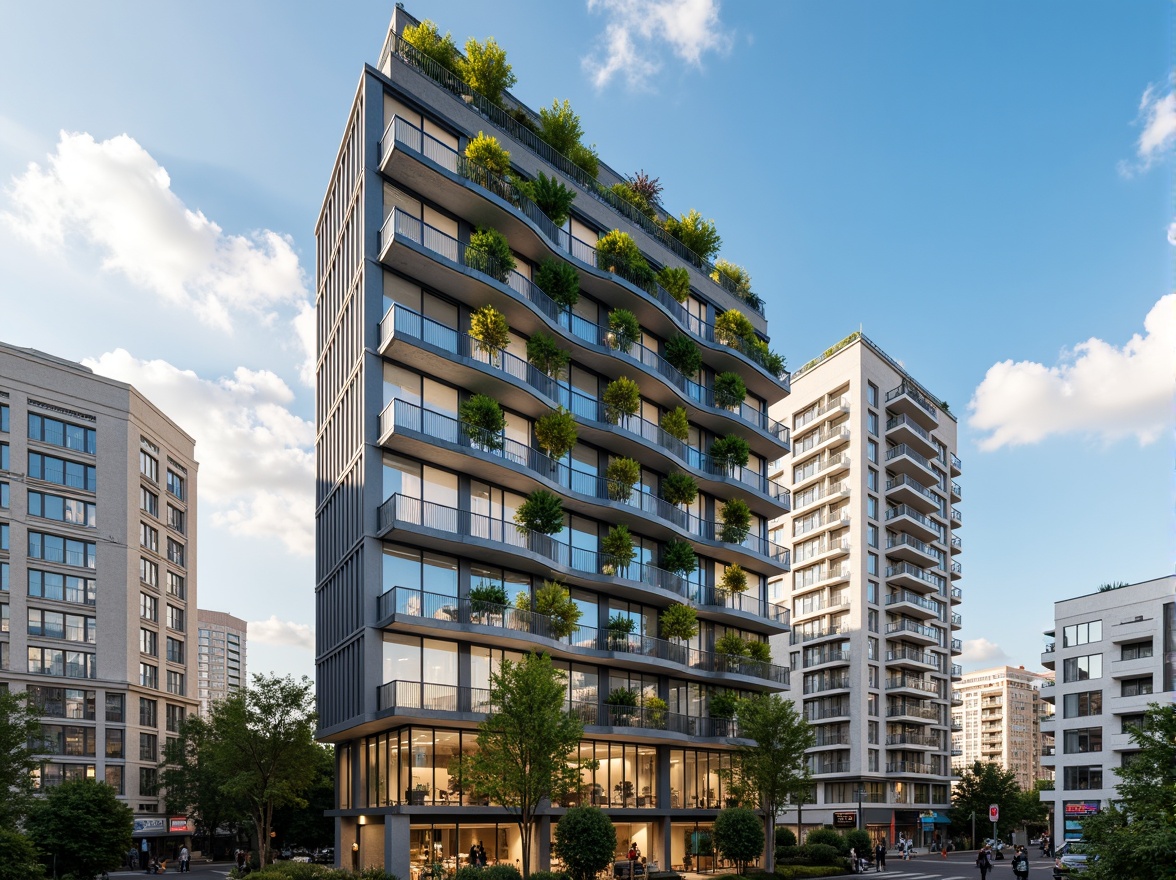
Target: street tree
x=81, y=828
x=983, y=784
x=18, y=728
x=586, y=840
x=310, y=826
x=18, y=857
x=1135, y=835
x=195, y=783
x=526, y=746
x=739, y=836
x=773, y=767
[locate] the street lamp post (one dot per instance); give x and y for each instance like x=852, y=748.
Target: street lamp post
x=861, y=791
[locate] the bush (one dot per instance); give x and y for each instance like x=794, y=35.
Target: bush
x=585, y=839
x=622, y=475
x=734, y=579
x=624, y=329
x=784, y=837
x=542, y=512
x=489, y=330
x=732, y=644
x=733, y=329
x=618, y=544
x=676, y=423
x=759, y=651
x=798, y=872
x=679, y=489
x=820, y=853
x=736, y=521
x=860, y=841
x=683, y=355
x=483, y=416
x=555, y=432
x=622, y=697
x=679, y=557
x=18, y=857
x=429, y=41
x=489, y=252
x=615, y=249
x=678, y=621
x=560, y=281
x=739, y=835
x=724, y=704
x=484, y=67
x=697, y=234
x=546, y=356
x=550, y=195
x=736, y=277
x=554, y=600
x=730, y=451
x=729, y=390
x=676, y=281
x=586, y=158
x=484, y=595
x=626, y=192
x=490, y=872
x=621, y=398
x=827, y=837
x=649, y=188
x=485, y=150
x=560, y=126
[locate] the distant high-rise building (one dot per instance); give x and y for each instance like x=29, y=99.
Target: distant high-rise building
x=872, y=589
x=1113, y=653
x=999, y=721
x=97, y=575
x=220, y=663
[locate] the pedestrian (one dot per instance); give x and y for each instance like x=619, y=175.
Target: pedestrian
x=880, y=857
x=481, y=855
x=1021, y=863
x=943, y=847
x=143, y=854
x=185, y=858
x=984, y=862
x=854, y=864
x=473, y=855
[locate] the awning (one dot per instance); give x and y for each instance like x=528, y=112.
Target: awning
x=937, y=819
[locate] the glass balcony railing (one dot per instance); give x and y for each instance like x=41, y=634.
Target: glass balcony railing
x=913, y=599
x=924, y=657
x=904, y=449
x=906, y=388
x=902, y=480
x=909, y=626
x=909, y=424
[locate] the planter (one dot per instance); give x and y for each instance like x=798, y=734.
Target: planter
x=415, y=798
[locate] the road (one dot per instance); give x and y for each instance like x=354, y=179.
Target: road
x=957, y=866
x=207, y=871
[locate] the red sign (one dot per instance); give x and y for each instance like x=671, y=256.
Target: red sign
x=177, y=826
x=993, y=813
x=1082, y=808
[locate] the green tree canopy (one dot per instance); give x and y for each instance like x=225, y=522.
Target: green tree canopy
x=194, y=783
x=983, y=784
x=586, y=840
x=18, y=728
x=739, y=836
x=18, y=857
x=310, y=825
x=81, y=828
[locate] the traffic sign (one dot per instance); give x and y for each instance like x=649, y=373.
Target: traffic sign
x=993, y=813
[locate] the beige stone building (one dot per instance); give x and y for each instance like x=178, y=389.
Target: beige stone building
x=1000, y=721
x=220, y=662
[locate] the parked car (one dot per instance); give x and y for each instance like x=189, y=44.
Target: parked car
x=1069, y=859
x=324, y=856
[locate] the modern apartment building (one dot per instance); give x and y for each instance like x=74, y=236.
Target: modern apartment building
x=872, y=588
x=1113, y=653
x=999, y=721
x=416, y=505
x=97, y=574
x=220, y=659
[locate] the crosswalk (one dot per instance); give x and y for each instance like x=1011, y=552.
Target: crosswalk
x=916, y=875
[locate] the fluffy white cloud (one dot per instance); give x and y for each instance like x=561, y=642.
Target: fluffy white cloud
x=976, y=653
x=1097, y=388
x=1172, y=233
x=281, y=633
x=256, y=457
x=114, y=198
x=637, y=30
x=1157, y=119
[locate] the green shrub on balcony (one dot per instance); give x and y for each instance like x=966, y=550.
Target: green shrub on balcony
x=623, y=329
x=683, y=355
x=734, y=579
x=730, y=451
x=723, y=704
x=550, y=195
x=730, y=390
x=490, y=332
x=759, y=651
x=622, y=399
x=489, y=252
x=626, y=192
x=546, y=356
x=678, y=622
x=759, y=352
x=428, y=40
x=676, y=423
x=555, y=433
x=655, y=711
x=483, y=419
x=485, y=150
x=485, y=69
x=738, y=281
x=560, y=281
x=542, y=512
x=698, y=234
x=734, y=329
x=617, y=252
x=679, y=557
x=679, y=489
x=559, y=125
x=554, y=600
x=731, y=644
x=676, y=281
x=618, y=544
x=736, y=521
x=522, y=602
x=622, y=475
x=622, y=697
x=586, y=158
x=483, y=596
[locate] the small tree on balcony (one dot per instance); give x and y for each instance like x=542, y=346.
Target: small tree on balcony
x=734, y=579
x=676, y=423
x=731, y=644
x=622, y=399
x=730, y=452
x=678, y=622
x=729, y=390
x=679, y=557
x=489, y=252
x=490, y=332
x=723, y=704
x=550, y=196
x=483, y=419
x=676, y=281
x=546, y=356
x=486, y=595
x=622, y=475
x=698, y=234
x=485, y=150
x=618, y=546
x=586, y=158
x=560, y=126
x=426, y=38
x=683, y=355
x=679, y=489
x=627, y=193
x=554, y=600
x=542, y=512
x=759, y=651
x=624, y=329
x=560, y=281
x=555, y=433
x=733, y=329
x=485, y=69
x=736, y=521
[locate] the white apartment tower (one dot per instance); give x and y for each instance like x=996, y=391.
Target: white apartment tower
x=1000, y=721
x=97, y=576
x=872, y=588
x=220, y=663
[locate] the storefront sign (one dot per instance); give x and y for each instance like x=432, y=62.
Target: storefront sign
x=150, y=826
x=846, y=819
x=1082, y=808
x=178, y=825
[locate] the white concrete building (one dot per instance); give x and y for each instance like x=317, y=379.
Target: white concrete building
x=220, y=662
x=999, y=721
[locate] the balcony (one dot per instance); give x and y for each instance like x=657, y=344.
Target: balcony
x=912, y=740
x=913, y=522
x=824, y=576
x=912, y=604
x=905, y=574
x=911, y=657
x=957, y=698
x=907, y=399
x=957, y=466
x=904, y=459
x=816, y=711
x=827, y=410
x=957, y=595
x=445, y=440
x=1047, y=656
x=957, y=671
x=916, y=712
x=441, y=351
x=828, y=683
x=419, y=611
x=911, y=549
x=915, y=687
x=438, y=259
x=1136, y=629
x=829, y=548
x=831, y=740
x=957, y=620
x=911, y=631
x=957, y=571
x=903, y=429
x=908, y=767
x=956, y=727
x=957, y=753
x=819, y=440
x=816, y=525
x=802, y=638
x=957, y=518
x=503, y=543
x=472, y=191
x=957, y=647
x=1139, y=666
x=957, y=493
x=957, y=544
x=907, y=490
x=822, y=768
x=827, y=658
x=821, y=495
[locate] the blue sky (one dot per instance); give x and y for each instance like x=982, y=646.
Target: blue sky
x=972, y=183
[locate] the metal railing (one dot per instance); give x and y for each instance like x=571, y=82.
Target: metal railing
x=401, y=322
x=911, y=483
x=912, y=739
x=910, y=626
x=914, y=599
x=816, y=711
x=912, y=710
x=907, y=510
x=908, y=767
x=896, y=421
x=914, y=394
x=804, y=444
x=830, y=683
x=924, y=657
x=926, y=685
x=798, y=638
x=905, y=449
x=915, y=572
x=827, y=657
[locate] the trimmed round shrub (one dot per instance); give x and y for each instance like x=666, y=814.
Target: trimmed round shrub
x=828, y=837
x=678, y=622
x=734, y=579
x=482, y=415
x=731, y=644
x=624, y=329
x=730, y=451
x=820, y=853
x=739, y=835
x=736, y=521
x=679, y=557
x=679, y=489
x=759, y=651
x=555, y=432
x=542, y=512
x=860, y=841
x=676, y=423
x=618, y=544
x=730, y=390
x=622, y=398
x=784, y=837
x=485, y=150
x=622, y=475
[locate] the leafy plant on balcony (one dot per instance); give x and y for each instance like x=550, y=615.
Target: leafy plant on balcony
x=622, y=475
x=698, y=234
x=730, y=452
x=550, y=195
x=676, y=423
x=621, y=697
x=622, y=398
x=723, y=704
x=546, y=356
x=655, y=711
x=642, y=204
x=731, y=644
x=678, y=557
x=678, y=622
x=618, y=546
x=554, y=600
x=485, y=68
x=736, y=521
x=649, y=188
x=484, y=421
x=555, y=433
x=734, y=329
x=759, y=651
x=679, y=489
x=490, y=332
x=542, y=512
x=485, y=150
x=676, y=281
x=489, y=252
x=734, y=579
x=771, y=361
x=428, y=40
x=729, y=390
x=560, y=281
x=586, y=158
x=683, y=355
x=486, y=596
x=522, y=603
x=560, y=126
x=737, y=280
x=617, y=252
x=619, y=629
x=623, y=329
